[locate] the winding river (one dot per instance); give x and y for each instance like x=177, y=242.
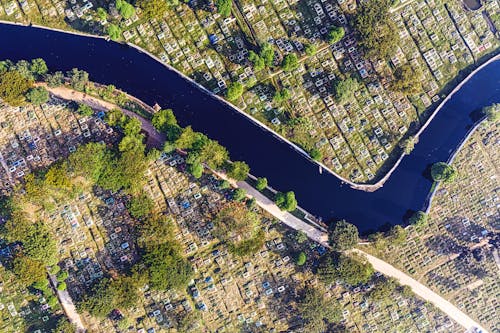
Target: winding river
x=321, y=194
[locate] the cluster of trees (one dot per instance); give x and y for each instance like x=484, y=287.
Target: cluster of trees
x=201, y=150
x=286, y=201
x=317, y=311
x=16, y=82
x=441, y=171
x=265, y=58
x=108, y=294
x=378, y=34
x=125, y=9
x=154, y=9
x=395, y=236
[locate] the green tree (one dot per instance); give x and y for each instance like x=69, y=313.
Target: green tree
x=78, y=79
x=234, y=91
x=126, y=10
x=101, y=13
x=239, y=194
x=13, y=87
x=300, y=237
x=261, y=183
x=153, y=9
x=54, y=80
x=344, y=89
x=441, y=171
x=238, y=170
x=62, y=286
x=317, y=311
x=418, y=219
x=196, y=169
x=343, y=235
x=114, y=32
x=85, y=110
x=167, y=269
x=38, y=95
x=352, y=269
x=311, y=49
x=257, y=61
x=40, y=244
x=267, y=53
x=224, y=7
x=286, y=201
x=383, y=290
x=64, y=326
x=335, y=35
x=99, y=302
x=316, y=154
x=28, y=270
x=90, y=160
x=62, y=276
x=408, y=144
x=38, y=67
x=398, y=235
x=140, y=206
x=301, y=259
x=290, y=62
x=281, y=96
x=163, y=119
x=115, y=117
x=407, y=80
x=187, y=139
x=213, y=154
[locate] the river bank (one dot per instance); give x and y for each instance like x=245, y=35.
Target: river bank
x=358, y=186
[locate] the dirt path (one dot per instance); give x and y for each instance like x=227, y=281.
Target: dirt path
x=154, y=137
x=68, y=306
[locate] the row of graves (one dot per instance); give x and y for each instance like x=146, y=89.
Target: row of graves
x=456, y=253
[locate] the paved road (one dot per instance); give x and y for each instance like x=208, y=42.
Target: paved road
x=68, y=306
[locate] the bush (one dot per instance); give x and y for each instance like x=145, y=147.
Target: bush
x=301, y=259
x=441, y=171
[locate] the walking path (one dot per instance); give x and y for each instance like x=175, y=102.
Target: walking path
x=290, y=220
x=155, y=138
x=68, y=306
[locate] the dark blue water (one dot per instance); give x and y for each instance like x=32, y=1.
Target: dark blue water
x=322, y=195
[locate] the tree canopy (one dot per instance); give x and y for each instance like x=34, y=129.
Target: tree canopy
x=492, y=112
x=140, y=206
x=378, y=34
x=224, y=7
x=344, y=89
x=336, y=34
x=153, y=9
x=418, y=219
x=234, y=91
x=114, y=32
x=13, y=87
x=238, y=170
x=126, y=10
x=352, y=269
x=286, y=201
x=290, y=62
x=343, y=235
x=318, y=311
x=441, y=171
x=261, y=183
x=407, y=80
x=28, y=270
x=167, y=269
x=38, y=95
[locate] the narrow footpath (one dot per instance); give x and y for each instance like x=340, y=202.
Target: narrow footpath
x=68, y=306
